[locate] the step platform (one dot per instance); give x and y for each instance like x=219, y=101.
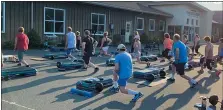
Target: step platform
x=150, y=74
x=10, y=58
x=70, y=65
x=53, y=56
x=95, y=85
x=19, y=71
x=56, y=49
x=149, y=58
x=81, y=92
x=110, y=62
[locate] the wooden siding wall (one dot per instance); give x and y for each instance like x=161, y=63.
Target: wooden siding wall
x=78, y=16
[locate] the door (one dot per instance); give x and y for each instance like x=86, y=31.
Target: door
x=128, y=31
x=191, y=33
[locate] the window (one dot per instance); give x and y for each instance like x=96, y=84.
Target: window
x=196, y=22
x=161, y=26
x=98, y=23
x=188, y=21
x=140, y=23
x=151, y=25
x=3, y=17
x=192, y=22
x=54, y=21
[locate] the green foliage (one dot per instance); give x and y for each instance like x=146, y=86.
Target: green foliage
x=34, y=39
x=144, y=38
x=117, y=39
x=8, y=45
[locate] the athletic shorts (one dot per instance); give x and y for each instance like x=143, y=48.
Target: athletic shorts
x=137, y=54
x=180, y=68
x=105, y=49
x=122, y=82
x=69, y=50
x=165, y=53
x=21, y=54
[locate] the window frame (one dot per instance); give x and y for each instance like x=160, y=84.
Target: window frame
x=54, y=21
x=188, y=21
x=154, y=24
x=98, y=22
x=3, y=17
x=192, y=22
x=163, y=25
x=142, y=23
x=196, y=22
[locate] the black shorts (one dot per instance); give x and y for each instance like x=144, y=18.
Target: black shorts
x=165, y=53
x=180, y=68
x=87, y=58
x=196, y=49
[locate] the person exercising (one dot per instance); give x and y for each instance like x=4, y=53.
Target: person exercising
x=78, y=45
x=21, y=45
x=122, y=72
x=181, y=57
x=70, y=44
x=196, y=45
x=208, y=56
x=167, y=43
x=87, y=50
x=105, y=45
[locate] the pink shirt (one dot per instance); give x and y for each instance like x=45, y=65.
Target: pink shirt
x=168, y=43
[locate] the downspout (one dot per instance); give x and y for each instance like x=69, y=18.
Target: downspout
x=32, y=15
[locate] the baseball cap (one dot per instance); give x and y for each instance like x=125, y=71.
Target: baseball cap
x=121, y=46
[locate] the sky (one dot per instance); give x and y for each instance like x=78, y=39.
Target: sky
x=214, y=6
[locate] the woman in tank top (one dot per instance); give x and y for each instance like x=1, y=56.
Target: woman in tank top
x=167, y=43
x=78, y=45
x=105, y=45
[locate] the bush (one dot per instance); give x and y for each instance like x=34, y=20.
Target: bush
x=117, y=39
x=144, y=38
x=34, y=39
x=8, y=45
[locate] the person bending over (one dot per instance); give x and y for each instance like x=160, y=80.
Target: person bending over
x=122, y=72
x=21, y=45
x=87, y=50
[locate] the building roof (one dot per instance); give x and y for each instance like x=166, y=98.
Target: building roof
x=218, y=17
x=131, y=6
x=191, y=3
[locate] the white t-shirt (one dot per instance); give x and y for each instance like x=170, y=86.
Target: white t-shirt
x=71, y=40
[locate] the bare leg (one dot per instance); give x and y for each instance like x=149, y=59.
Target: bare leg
x=92, y=65
x=24, y=62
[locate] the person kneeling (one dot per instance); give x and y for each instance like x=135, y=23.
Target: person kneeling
x=122, y=72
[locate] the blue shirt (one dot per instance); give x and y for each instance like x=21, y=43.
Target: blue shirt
x=183, y=58
x=71, y=40
x=125, y=65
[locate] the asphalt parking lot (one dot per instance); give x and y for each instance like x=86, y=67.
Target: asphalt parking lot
x=50, y=89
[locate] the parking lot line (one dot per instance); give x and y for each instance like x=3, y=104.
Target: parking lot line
x=13, y=103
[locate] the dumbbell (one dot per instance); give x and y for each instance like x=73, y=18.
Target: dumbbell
x=151, y=77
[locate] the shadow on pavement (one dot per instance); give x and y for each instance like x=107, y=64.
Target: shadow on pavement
x=116, y=105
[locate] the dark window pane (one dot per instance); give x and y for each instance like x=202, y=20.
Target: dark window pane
x=59, y=15
x=59, y=27
x=100, y=29
x=151, y=23
x=49, y=14
x=94, y=18
x=161, y=26
x=2, y=24
x=101, y=19
x=49, y=26
x=140, y=24
x=2, y=9
x=95, y=27
x=187, y=21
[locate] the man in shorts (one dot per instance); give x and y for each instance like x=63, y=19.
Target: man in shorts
x=122, y=72
x=87, y=50
x=208, y=56
x=70, y=44
x=181, y=58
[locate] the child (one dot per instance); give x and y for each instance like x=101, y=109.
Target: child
x=70, y=43
x=208, y=56
x=78, y=45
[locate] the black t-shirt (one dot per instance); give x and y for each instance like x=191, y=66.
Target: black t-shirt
x=89, y=41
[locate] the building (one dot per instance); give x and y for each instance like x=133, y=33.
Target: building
x=52, y=18
x=189, y=18
x=118, y=18
x=217, y=26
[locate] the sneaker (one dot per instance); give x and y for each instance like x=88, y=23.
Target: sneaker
x=19, y=64
x=193, y=85
x=171, y=80
x=96, y=69
x=27, y=66
x=137, y=96
x=113, y=89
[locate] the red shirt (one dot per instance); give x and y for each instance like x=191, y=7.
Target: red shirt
x=22, y=41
